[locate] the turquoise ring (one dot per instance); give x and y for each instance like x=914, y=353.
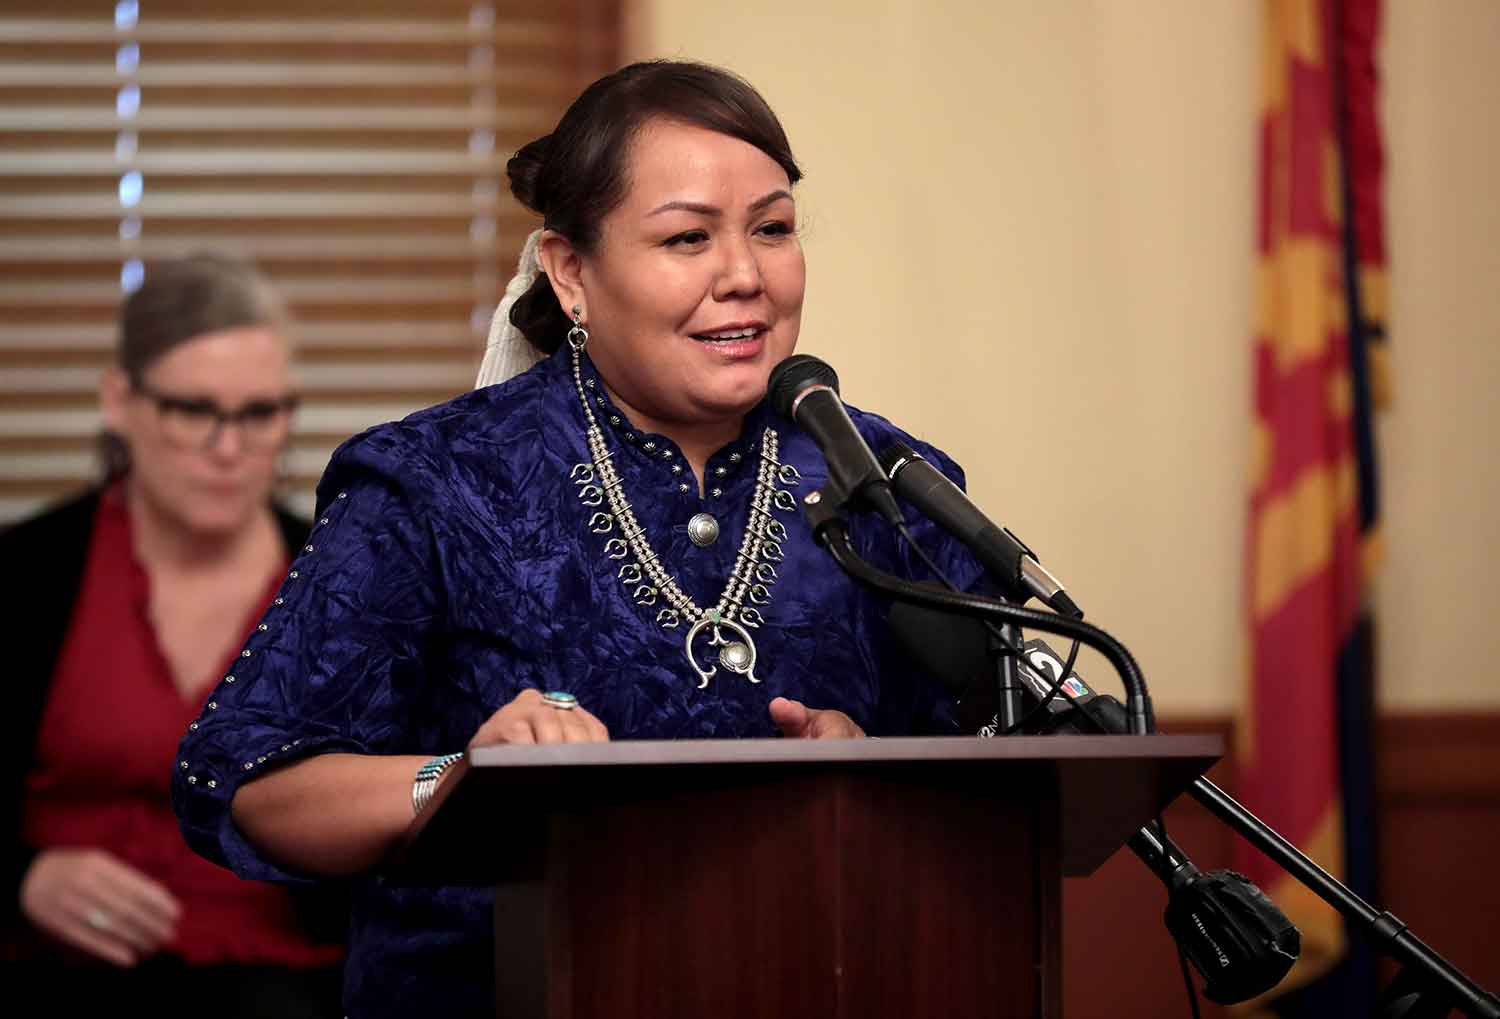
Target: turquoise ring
x=560, y=700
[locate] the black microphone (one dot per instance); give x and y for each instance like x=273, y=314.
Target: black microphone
x=1234, y=935
x=1007, y=558
x=806, y=390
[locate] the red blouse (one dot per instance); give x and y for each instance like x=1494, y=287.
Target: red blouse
x=102, y=768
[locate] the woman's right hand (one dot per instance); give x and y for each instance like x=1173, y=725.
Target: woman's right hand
x=90, y=899
x=530, y=719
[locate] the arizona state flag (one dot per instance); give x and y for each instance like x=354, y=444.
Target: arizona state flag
x=1305, y=730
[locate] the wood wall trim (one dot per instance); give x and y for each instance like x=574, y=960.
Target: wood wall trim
x=1438, y=758
x=1420, y=757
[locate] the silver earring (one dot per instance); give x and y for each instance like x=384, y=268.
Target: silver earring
x=578, y=336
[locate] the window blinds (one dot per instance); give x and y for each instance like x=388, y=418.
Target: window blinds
x=355, y=151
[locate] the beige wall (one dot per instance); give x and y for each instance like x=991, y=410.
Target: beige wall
x=1442, y=94
x=1029, y=239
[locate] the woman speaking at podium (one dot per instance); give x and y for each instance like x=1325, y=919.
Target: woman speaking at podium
x=605, y=545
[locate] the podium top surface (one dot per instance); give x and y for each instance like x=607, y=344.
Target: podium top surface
x=1104, y=787
x=655, y=753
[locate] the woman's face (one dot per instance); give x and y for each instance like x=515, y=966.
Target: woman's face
x=694, y=292
x=206, y=475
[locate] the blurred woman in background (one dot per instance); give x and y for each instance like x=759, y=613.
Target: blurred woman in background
x=136, y=596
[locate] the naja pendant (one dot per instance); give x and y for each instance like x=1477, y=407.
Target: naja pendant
x=738, y=656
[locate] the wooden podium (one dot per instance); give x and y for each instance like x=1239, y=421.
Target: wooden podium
x=718, y=879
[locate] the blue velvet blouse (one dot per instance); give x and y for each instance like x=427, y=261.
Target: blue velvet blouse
x=452, y=565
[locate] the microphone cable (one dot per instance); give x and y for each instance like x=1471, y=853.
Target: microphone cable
x=1182, y=959
x=1053, y=689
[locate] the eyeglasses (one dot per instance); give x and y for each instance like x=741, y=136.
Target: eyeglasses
x=197, y=421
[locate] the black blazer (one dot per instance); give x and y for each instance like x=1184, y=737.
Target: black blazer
x=43, y=559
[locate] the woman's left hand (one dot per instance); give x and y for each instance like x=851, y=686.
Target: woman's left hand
x=797, y=721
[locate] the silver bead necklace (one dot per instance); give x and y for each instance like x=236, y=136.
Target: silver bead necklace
x=750, y=579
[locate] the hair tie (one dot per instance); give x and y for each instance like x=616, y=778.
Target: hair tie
x=507, y=353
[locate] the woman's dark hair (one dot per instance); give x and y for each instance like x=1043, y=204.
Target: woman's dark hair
x=178, y=301
x=576, y=175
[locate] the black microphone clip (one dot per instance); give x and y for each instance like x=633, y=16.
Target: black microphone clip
x=824, y=506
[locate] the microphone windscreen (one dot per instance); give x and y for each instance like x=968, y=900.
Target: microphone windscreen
x=954, y=650
x=795, y=374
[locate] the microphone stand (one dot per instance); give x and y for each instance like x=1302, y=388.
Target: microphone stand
x=1007, y=675
x=1426, y=986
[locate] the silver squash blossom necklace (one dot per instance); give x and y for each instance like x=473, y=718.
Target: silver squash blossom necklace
x=648, y=581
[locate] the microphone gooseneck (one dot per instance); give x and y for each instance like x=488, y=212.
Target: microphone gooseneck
x=834, y=535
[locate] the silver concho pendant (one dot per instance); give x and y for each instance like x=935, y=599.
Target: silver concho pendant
x=738, y=656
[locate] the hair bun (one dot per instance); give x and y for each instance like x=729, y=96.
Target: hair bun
x=525, y=172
